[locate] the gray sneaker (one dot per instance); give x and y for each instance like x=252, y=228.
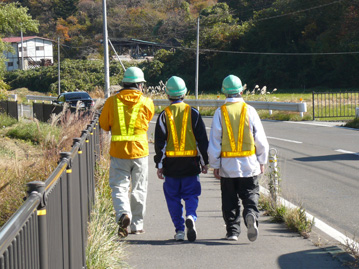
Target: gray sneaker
x=179, y=236
x=252, y=232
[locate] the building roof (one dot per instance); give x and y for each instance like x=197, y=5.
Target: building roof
x=25, y=38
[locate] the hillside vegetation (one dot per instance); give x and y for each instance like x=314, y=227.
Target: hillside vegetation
x=283, y=44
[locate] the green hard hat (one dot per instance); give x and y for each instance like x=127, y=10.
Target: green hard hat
x=175, y=87
x=232, y=85
x=133, y=75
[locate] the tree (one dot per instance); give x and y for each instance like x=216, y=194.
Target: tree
x=13, y=19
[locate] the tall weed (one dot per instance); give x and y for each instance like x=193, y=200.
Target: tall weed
x=104, y=250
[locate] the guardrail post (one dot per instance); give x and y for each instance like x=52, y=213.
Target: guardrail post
x=66, y=156
x=38, y=188
x=273, y=177
x=357, y=112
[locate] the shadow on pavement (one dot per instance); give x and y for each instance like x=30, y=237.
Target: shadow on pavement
x=206, y=242
x=315, y=258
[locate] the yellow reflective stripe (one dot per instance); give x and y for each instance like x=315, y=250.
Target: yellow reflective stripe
x=136, y=108
x=41, y=212
x=138, y=137
x=121, y=117
x=181, y=153
x=128, y=135
x=173, y=128
x=241, y=127
x=183, y=130
x=238, y=154
x=229, y=128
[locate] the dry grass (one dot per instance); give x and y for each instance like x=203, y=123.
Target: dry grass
x=352, y=248
x=23, y=161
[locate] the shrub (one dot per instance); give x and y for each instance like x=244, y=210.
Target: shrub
x=6, y=121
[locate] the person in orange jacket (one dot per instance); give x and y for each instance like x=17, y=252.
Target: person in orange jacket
x=127, y=115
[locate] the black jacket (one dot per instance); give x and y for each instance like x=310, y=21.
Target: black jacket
x=181, y=166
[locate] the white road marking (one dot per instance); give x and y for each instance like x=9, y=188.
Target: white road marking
x=346, y=151
x=285, y=140
x=322, y=124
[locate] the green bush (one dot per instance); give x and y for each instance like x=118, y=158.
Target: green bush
x=35, y=132
x=6, y=121
x=82, y=75
x=353, y=124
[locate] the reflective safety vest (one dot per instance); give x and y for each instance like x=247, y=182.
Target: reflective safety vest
x=237, y=138
x=129, y=134
x=180, y=142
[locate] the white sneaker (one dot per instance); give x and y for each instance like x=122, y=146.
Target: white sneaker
x=252, y=232
x=191, y=229
x=232, y=237
x=179, y=236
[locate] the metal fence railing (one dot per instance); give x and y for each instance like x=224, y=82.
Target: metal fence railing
x=50, y=229
x=335, y=104
x=9, y=108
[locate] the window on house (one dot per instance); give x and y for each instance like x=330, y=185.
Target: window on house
x=10, y=64
x=39, y=47
x=25, y=49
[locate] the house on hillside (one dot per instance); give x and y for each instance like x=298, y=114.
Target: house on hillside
x=38, y=51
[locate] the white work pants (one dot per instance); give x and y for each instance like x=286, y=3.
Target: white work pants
x=128, y=181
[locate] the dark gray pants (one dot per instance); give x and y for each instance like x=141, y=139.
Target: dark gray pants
x=235, y=190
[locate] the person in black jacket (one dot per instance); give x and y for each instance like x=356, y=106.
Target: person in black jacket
x=181, y=155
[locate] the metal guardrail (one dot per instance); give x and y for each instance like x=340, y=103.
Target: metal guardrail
x=40, y=98
x=284, y=106
x=13, y=96
x=50, y=229
x=296, y=107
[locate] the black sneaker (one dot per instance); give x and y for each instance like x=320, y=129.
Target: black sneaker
x=231, y=237
x=191, y=229
x=123, y=223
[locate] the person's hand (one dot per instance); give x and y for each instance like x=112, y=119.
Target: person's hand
x=160, y=173
x=262, y=168
x=216, y=173
x=204, y=169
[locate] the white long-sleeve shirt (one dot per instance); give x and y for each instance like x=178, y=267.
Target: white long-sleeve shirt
x=238, y=166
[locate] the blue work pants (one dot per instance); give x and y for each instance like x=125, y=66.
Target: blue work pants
x=176, y=189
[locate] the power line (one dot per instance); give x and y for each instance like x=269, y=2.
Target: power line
x=298, y=11
x=269, y=53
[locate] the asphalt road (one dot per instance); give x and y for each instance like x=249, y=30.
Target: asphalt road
x=319, y=168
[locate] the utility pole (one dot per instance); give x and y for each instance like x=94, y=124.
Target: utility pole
x=22, y=51
x=105, y=44
x=197, y=60
x=58, y=66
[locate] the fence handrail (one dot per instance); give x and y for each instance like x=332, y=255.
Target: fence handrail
x=50, y=227
x=284, y=106
x=16, y=221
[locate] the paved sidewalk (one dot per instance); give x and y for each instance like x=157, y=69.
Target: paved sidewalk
x=276, y=246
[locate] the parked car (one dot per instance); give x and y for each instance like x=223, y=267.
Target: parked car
x=73, y=97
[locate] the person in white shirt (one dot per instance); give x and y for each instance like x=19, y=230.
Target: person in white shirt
x=238, y=151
